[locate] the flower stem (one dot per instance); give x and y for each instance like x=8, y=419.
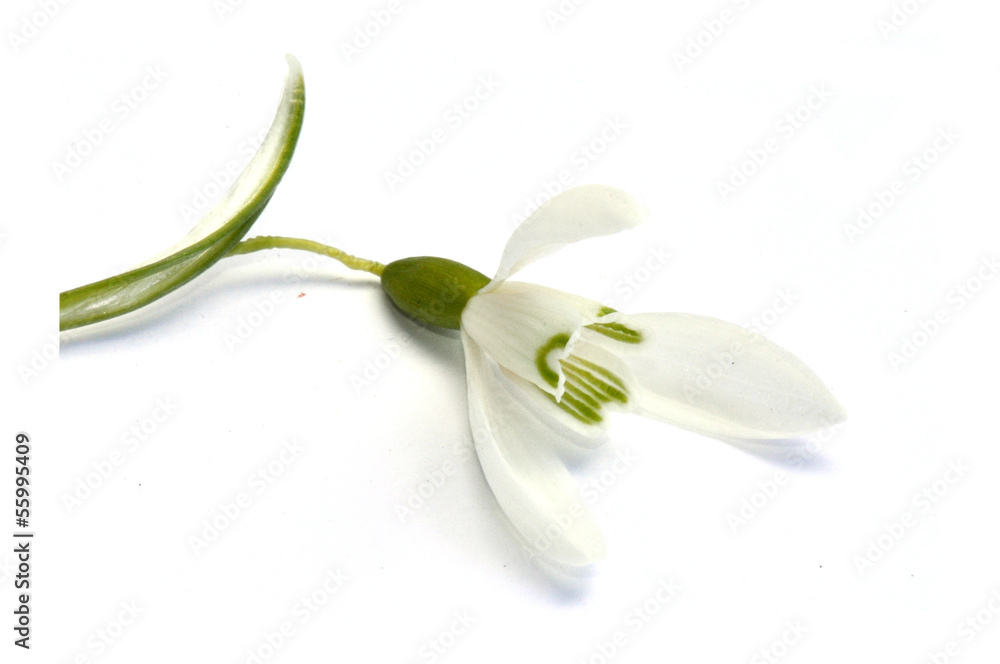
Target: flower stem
x=263, y=242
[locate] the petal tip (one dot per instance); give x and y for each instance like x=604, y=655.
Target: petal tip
x=834, y=415
x=570, y=551
x=839, y=412
x=294, y=68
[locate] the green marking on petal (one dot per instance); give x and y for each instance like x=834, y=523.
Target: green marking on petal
x=568, y=407
x=604, y=311
x=581, y=395
x=579, y=379
x=617, y=331
x=588, y=387
x=601, y=389
x=602, y=372
x=550, y=376
x=582, y=408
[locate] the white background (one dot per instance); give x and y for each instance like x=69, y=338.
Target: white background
x=840, y=557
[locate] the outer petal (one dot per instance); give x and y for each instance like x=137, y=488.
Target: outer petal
x=516, y=321
x=576, y=214
x=530, y=483
x=512, y=323
x=571, y=436
x=722, y=380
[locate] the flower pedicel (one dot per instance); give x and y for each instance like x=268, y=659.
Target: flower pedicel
x=544, y=367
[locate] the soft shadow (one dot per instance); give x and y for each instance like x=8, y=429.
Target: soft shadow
x=502, y=547
x=436, y=340
x=800, y=454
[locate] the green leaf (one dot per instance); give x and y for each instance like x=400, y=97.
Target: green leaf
x=212, y=238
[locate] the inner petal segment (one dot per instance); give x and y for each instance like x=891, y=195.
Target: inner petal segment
x=589, y=387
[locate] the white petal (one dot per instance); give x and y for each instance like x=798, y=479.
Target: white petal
x=530, y=483
x=576, y=214
x=573, y=435
x=722, y=380
x=515, y=321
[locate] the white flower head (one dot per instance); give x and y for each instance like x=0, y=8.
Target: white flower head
x=545, y=367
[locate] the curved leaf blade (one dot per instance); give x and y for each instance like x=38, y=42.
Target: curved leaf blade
x=211, y=238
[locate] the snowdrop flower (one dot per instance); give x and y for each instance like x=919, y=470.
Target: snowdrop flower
x=545, y=367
